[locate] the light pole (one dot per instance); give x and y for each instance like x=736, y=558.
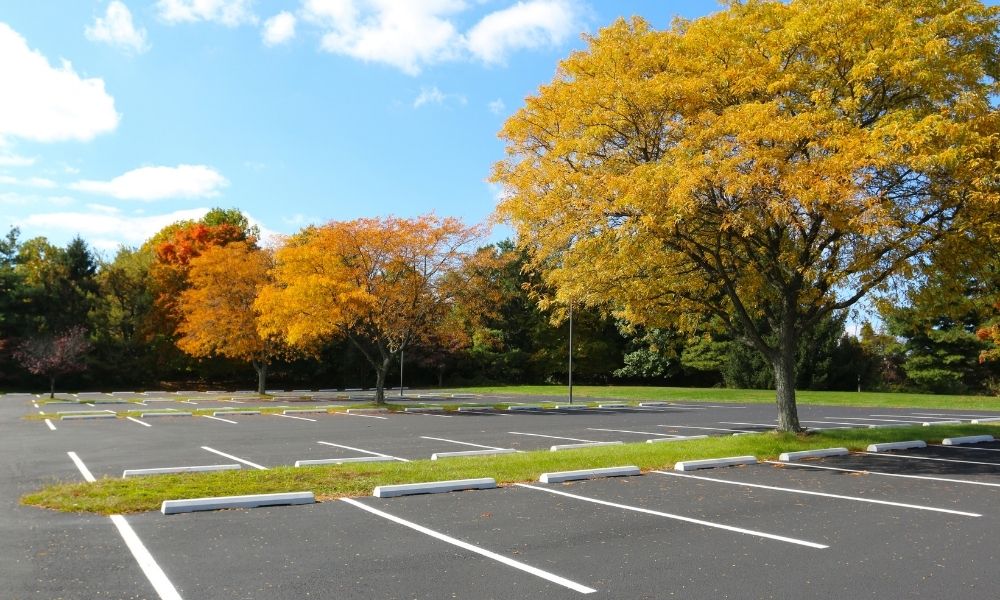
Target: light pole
x=571, y=352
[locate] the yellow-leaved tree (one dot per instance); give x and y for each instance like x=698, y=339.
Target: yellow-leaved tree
x=218, y=316
x=766, y=165
x=381, y=283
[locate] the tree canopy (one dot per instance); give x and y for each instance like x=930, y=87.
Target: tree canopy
x=380, y=283
x=768, y=164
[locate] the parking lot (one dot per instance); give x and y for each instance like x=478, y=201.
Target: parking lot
x=917, y=523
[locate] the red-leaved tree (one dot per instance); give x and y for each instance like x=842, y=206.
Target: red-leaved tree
x=54, y=355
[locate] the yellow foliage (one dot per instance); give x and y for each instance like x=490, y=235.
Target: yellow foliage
x=770, y=163
x=383, y=283
x=218, y=314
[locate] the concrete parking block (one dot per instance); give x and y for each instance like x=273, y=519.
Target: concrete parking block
x=930, y=423
x=169, y=470
x=561, y=476
x=986, y=420
x=821, y=453
x=969, y=439
x=89, y=416
x=677, y=439
x=170, y=507
x=423, y=409
x=559, y=447
x=343, y=461
x=297, y=411
x=897, y=446
x=524, y=407
x=434, y=487
x=234, y=413
x=613, y=405
x=179, y=413
x=711, y=463
x=461, y=453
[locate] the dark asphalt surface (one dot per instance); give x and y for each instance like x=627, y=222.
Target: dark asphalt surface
x=338, y=550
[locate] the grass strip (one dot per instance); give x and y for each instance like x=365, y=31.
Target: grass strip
x=113, y=496
x=724, y=395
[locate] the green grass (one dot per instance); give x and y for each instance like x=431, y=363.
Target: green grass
x=112, y=496
x=637, y=393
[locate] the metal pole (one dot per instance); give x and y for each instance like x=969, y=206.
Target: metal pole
x=400, y=373
x=571, y=353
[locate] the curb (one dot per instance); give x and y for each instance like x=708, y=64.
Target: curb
x=168, y=470
x=171, y=507
x=583, y=445
x=433, y=487
x=823, y=453
x=561, y=476
x=711, y=463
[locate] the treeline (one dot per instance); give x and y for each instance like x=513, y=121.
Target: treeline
x=183, y=310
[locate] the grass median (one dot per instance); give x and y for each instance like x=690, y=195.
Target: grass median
x=113, y=496
x=726, y=395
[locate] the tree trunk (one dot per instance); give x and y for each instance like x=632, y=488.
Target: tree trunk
x=261, y=368
x=52, y=387
x=784, y=383
x=381, y=370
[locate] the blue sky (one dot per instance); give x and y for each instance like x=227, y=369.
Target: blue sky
x=118, y=117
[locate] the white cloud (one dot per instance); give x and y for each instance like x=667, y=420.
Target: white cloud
x=230, y=13
x=111, y=226
x=428, y=95
x=411, y=34
x=497, y=106
x=529, y=24
x=35, y=182
x=432, y=95
x=159, y=183
x=401, y=33
x=116, y=29
x=17, y=199
x=15, y=160
x=46, y=104
x=279, y=29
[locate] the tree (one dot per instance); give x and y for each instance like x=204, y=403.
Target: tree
x=380, y=283
x=54, y=355
x=218, y=311
x=772, y=163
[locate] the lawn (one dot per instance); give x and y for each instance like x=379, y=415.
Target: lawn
x=805, y=397
x=112, y=495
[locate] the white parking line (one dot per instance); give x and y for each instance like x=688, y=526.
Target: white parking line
x=364, y=451
x=823, y=494
x=220, y=419
x=918, y=418
x=948, y=447
x=880, y=420
x=157, y=578
x=475, y=549
x=694, y=427
x=294, y=417
x=427, y=437
x=834, y=423
x=953, y=416
x=635, y=432
x=87, y=475
x=357, y=415
x=768, y=425
x=430, y=415
x=49, y=423
x=647, y=511
x=554, y=437
x=867, y=472
x=931, y=458
x=134, y=420
x=230, y=456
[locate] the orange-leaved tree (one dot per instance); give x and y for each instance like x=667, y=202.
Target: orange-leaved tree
x=766, y=165
x=217, y=310
x=382, y=283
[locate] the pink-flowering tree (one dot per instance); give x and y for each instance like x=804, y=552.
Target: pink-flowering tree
x=54, y=355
